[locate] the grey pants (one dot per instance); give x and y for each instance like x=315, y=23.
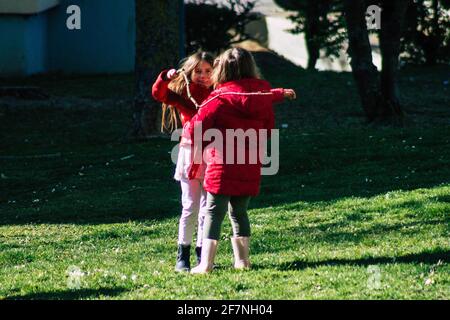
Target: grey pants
x=217, y=206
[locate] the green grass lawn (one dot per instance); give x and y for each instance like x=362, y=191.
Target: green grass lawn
x=356, y=211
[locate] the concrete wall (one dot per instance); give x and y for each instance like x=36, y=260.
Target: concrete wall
x=41, y=42
x=35, y=39
x=105, y=43
x=12, y=52
x=23, y=44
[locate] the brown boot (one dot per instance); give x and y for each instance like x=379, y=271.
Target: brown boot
x=241, y=248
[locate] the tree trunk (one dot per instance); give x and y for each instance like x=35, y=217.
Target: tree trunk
x=311, y=14
x=311, y=32
x=392, y=18
x=364, y=71
x=157, y=47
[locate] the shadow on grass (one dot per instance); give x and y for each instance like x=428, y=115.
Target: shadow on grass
x=91, y=217
x=70, y=294
x=430, y=257
x=324, y=234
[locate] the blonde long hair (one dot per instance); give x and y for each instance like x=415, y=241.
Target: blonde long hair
x=170, y=116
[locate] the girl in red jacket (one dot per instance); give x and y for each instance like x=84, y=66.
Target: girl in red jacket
x=181, y=93
x=241, y=101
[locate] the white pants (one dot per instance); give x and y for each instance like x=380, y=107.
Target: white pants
x=193, y=198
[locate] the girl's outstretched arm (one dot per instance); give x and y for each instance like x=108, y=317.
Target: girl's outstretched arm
x=279, y=94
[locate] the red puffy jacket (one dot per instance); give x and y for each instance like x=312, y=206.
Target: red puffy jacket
x=243, y=104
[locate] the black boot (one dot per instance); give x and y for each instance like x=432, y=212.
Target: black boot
x=183, y=258
x=198, y=253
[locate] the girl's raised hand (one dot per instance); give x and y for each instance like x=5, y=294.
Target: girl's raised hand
x=171, y=74
x=289, y=94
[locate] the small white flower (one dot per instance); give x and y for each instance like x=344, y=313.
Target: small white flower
x=75, y=276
